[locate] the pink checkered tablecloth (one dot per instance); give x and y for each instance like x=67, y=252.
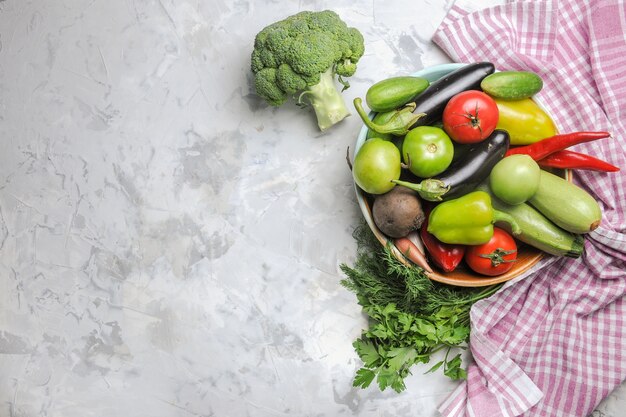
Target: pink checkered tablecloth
x=553, y=343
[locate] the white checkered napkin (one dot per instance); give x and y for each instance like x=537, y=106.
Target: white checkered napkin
x=553, y=343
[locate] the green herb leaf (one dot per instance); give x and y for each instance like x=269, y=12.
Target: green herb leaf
x=453, y=369
x=401, y=358
x=435, y=367
x=379, y=331
x=367, y=352
x=455, y=335
x=425, y=328
x=363, y=378
x=398, y=384
x=405, y=320
x=388, y=378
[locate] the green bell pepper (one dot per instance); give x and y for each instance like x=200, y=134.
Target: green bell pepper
x=467, y=220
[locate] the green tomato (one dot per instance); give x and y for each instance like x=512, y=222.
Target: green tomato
x=428, y=151
x=376, y=164
x=515, y=179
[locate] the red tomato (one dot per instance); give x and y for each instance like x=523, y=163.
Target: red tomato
x=494, y=257
x=470, y=116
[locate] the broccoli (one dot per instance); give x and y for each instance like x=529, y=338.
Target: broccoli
x=302, y=54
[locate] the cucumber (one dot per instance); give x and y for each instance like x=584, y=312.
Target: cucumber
x=394, y=92
x=512, y=85
x=536, y=230
x=567, y=205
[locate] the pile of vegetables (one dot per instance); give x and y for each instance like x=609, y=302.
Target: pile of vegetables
x=461, y=172
x=479, y=157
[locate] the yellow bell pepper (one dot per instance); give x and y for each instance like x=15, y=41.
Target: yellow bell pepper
x=525, y=121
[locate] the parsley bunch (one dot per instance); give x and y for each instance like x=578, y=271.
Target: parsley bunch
x=410, y=316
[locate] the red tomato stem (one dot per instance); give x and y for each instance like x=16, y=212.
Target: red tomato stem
x=497, y=256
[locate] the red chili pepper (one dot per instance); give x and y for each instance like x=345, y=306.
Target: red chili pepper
x=545, y=147
x=576, y=160
x=444, y=255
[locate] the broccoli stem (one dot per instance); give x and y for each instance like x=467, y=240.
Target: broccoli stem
x=328, y=103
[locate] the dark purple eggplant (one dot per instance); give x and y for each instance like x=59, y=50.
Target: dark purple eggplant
x=467, y=172
x=427, y=107
x=433, y=100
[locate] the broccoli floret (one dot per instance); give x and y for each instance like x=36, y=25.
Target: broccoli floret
x=302, y=54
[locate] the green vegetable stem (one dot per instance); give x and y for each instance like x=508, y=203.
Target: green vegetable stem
x=302, y=54
x=326, y=101
x=431, y=189
x=467, y=220
x=398, y=124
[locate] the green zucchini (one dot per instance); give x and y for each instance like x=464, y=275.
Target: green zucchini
x=394, y=92
x=567, y=205
x=512, y=85
x=536, y=230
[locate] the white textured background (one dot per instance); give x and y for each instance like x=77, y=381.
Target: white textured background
x=169, y=244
